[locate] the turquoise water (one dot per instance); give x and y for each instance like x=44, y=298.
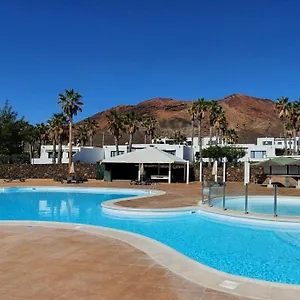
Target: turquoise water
x=260, y=252
x=286, y=206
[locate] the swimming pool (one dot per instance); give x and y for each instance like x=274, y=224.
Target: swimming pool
x=256, y=250
x=286, y=205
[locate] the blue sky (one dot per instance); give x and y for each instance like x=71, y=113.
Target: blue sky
x=123, y=52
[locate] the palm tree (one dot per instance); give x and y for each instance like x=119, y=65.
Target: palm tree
x=132, y=123
x=219, y=121
x=29, y=136
x=179, y=138
x=81, y=135
x=294, y=116
x=282, y=108
x=55, y=127
x=200, y=108
x=289, y=132
x=61, y=134
x=192, y=114
x=91, y=127
x=150, y=127
x=115, y=124
x=42, y=131
x=71, y=104
x=231, y=136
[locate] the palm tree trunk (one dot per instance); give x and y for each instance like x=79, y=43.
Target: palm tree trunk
x=60, y=151
x=193, y=133
x=217, y=137
x=200, y=140
x=31, y=152
x=130, y=142
x=70, y=142
x=91, y=140
x=290, y=144
x=145, y=138
x=54, y=151
x=284, y=138
x=210, y=135
x=295, y=140
x=117, y=145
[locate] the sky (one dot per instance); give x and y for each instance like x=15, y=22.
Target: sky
x=125, y=51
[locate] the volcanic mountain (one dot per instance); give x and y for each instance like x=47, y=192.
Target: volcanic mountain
x=251, y=117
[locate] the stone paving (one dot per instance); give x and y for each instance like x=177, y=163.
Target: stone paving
x=46, y=263
x=43, y=263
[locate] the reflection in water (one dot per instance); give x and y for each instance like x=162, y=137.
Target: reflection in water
x=49, y=206
x=260, y=253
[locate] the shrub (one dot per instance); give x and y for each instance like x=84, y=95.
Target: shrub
x=217, y=153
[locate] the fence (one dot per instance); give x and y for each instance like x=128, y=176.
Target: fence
x=239, y=198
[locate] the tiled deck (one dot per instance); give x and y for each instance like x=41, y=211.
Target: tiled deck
x=44, y=263
x=48, y=263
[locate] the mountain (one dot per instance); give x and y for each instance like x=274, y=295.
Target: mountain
x=252, y=117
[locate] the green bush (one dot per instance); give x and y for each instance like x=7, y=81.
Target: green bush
x=23, y=158
x=217, y=153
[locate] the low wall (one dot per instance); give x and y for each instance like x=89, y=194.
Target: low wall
x=234, y=173
x=45, y=171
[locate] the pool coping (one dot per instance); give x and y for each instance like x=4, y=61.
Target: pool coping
x=181, y=264
x=174, y=260
x=251, y=215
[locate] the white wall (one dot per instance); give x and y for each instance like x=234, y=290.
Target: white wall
x=89, y=155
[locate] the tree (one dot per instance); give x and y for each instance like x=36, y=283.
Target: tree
x=149, y=125
x=289, y=132
x=56, y=128
x=132, y=123
x=218, y=153
x=179, y=138
x=71, y=104
x=10, y=131
x=192, y=114
x=282, y=108
x=201, y=107
x=29, y=135
x=91, y=129
x=42, y=132
x=81, y=135
x=230, y=136
x=115, y=124
x=294, y=116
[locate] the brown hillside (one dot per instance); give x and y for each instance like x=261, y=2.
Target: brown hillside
x=252, y=117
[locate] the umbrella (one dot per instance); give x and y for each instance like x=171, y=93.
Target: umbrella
x=215, y=170
x=72, y=169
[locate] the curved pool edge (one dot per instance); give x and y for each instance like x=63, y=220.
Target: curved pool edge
x=249, y=216
x=181, y=264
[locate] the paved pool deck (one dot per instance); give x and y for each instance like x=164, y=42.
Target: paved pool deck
x=57, y=263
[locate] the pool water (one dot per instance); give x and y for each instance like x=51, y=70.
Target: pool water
x=262, y=252
x=286, y=206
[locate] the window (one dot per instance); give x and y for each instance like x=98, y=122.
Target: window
x=258, y=154
x=279, y=143
x=172, y=152
x=114, y=153
x=50, y=154
x=267, y=143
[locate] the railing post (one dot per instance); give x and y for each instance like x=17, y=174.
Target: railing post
x=275, y=199
x=202, y=199
x=246, y=198
x=209, y=195
x=224, y=195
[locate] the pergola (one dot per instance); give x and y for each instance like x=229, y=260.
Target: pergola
x=284, y=167
x=150, y=156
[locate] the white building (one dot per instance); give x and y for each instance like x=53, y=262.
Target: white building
x=84, y=154
x=259, y=152
x=278, y=143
